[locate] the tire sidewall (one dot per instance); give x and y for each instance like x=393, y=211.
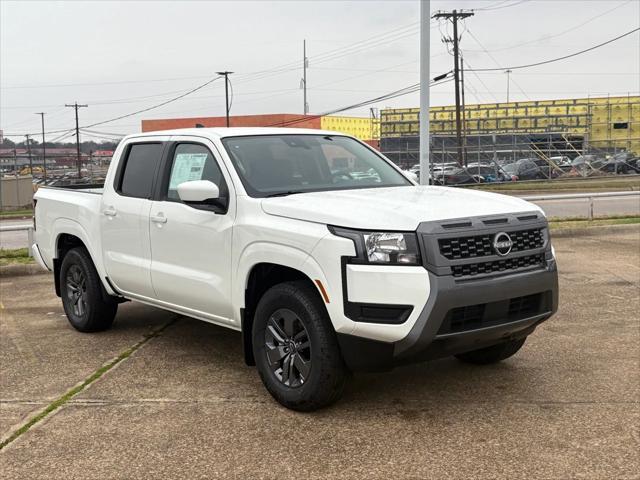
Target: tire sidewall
x=307, y=311
x=74, y=257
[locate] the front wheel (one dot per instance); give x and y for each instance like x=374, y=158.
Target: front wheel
x=296, y=349
x=82, y=297
x=492, y=354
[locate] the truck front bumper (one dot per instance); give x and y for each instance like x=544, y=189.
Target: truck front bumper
x=461, y=316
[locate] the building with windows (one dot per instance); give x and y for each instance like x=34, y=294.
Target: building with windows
x=363, y=128
x=515, y=130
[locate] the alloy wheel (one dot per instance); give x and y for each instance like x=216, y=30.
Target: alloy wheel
x=77, y=290
x=288, y=348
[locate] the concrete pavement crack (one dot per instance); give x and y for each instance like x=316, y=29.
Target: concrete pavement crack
x=69, y=394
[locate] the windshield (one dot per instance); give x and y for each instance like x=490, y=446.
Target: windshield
x=271, y=165
x=510, y=168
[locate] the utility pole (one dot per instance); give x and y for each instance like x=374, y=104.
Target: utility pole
x=463, y=108
x=44, y=149
x=425, y=168
x=76, y=107
x=226, y=74
x=305, y=64
x=508, y=72
x=454, y=16
x=29, y=153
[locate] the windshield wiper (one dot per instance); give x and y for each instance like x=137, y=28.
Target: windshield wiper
x=283, y=194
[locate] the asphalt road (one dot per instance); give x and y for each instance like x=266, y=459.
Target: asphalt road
x=14, y=239
x=601, y=206
x=553, y=208
x=183, y=405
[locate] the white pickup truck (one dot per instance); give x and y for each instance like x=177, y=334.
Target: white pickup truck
x=311, y=243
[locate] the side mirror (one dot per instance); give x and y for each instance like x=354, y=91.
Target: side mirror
x=198, y=192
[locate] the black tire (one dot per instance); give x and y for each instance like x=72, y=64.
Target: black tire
x=83, y=298
x=310, y=343
x=492, y=354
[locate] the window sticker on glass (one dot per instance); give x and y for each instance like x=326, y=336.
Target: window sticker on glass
x=187, y=167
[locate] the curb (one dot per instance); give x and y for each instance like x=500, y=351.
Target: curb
x=20, y=269
x=594, y=230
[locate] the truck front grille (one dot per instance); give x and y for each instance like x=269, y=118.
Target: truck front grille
x=473, y=317
x=496, y=266
x=458, y=248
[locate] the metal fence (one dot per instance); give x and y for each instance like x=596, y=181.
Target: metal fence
x=589, y=197
x=500, y=148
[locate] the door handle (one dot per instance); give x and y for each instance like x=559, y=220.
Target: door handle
x=160, y=218
x=109, y=212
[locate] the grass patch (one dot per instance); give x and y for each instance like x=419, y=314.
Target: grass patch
x=560, y=223
x=26, y=212
x=69, y=394
x=17, y=255
x=593, y=184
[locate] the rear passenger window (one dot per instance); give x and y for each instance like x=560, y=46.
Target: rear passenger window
x=139, y=169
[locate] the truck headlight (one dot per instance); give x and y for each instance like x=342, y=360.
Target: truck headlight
x=387, y=248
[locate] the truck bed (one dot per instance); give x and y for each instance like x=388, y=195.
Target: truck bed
x=72, y=209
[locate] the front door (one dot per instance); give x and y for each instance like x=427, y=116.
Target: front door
x=124, y=219
x=191, y=245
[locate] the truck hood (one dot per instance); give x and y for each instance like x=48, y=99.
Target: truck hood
x=394, y=208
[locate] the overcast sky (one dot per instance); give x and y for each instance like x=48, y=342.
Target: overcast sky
x=120, y=57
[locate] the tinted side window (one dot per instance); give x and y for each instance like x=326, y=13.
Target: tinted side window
x=139, y=169
x=193, y=162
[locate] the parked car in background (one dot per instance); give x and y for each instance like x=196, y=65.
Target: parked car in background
x=488, y=172
x=587, y=164
x=548, y=168
x=623, y=162
x=524, y=169
x=458, y=176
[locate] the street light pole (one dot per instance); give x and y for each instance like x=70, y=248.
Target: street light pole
x=44, y=149
x=424, y=91
x=29, y=153
x=226, y=74
x=508, y=72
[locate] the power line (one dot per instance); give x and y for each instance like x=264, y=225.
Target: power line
x=489, y=8
x=548, y=37
x=397, y=93
x=509, y=77
x=470, y=69
x=193, y=90
x=516, y=67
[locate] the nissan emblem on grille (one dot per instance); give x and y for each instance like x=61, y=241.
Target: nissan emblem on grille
x=502, y=243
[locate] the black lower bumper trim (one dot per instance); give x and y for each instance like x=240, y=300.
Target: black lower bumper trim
x=507, y=320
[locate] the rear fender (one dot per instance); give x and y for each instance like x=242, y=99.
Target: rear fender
x=70, y=227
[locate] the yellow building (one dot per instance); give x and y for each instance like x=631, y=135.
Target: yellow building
x=605, y=123
x=360, y=127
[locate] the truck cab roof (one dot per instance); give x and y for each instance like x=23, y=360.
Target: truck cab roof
x=223, y=132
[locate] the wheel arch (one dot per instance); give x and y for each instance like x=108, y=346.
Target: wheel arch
x=68, y=235
x=261, y=277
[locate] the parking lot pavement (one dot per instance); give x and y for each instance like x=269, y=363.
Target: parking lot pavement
x=184, y=405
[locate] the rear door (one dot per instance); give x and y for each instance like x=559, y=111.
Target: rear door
x=125, y=217
x=191, y=245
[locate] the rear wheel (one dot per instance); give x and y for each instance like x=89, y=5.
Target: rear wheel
x=83, y=299
x=492, y=354
x=296, y=349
